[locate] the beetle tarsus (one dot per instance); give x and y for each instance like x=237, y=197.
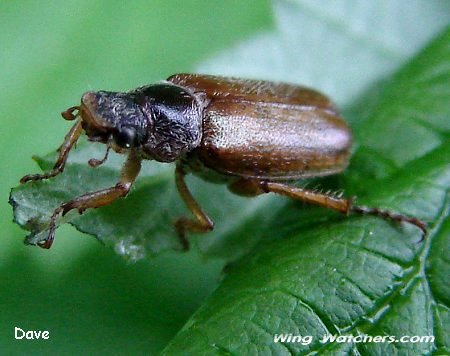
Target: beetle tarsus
x=47, y=243
x=94, y=162
x=180, y=227
x=34, y=177
x=70, y=139
x=388, y=215
x=202, y=222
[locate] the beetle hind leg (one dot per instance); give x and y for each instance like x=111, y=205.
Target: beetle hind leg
x=202, y=222
x=342, y=205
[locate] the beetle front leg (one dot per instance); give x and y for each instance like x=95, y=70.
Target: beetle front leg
x=341, y=205
x=98, y=198
x=202, y=222
x=70, y=139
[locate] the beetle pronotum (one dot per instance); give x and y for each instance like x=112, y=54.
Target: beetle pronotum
x=253, y=135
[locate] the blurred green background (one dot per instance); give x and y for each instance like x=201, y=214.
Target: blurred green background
x=89, y=298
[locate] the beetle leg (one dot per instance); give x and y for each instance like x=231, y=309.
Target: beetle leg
x=386, y=214
x=70, y=139
x=246, y=187
x=202, y=222
x=99, y=198
x=341, y=205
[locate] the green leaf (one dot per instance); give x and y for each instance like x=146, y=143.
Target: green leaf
x=360, y=275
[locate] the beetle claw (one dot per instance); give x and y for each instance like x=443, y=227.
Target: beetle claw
x=47, y=243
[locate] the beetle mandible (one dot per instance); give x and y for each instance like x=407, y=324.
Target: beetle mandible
x=253, y=135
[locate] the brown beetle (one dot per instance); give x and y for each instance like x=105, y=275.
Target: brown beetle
x=252, y=135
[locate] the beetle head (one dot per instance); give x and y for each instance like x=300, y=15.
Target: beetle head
x=111, y=118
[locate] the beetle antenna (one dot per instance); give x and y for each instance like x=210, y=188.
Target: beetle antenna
x=93, y=162
x=69, y=115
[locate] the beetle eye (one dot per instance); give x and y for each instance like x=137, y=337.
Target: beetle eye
x=125, y=137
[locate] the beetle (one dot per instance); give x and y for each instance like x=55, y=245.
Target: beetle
x=255, y=136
